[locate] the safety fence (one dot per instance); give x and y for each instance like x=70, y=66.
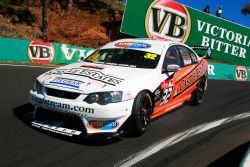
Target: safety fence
x=15, y=50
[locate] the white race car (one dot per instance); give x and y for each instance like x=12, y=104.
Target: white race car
x=121, y=86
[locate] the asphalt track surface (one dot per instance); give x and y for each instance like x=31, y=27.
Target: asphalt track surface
x=22, y=145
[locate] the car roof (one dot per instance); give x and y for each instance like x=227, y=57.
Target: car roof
x=149, y=45
x=147, y=40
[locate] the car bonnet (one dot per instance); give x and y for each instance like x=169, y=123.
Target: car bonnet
x=90, y=77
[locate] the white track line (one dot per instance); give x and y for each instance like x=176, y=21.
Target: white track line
x=165, y=143
x=246, y=159
x=22, y=65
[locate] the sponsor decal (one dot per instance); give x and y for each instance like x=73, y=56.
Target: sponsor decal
x=211, y=70
x=157, y=94
x=121, y=65
x=186, y=72
x=102, y=124
x=55, y=129
x=176, y=92
x=223, y=40
x=70, y=52
x=124, y=44
x=67, y=82
x=192, y=78
x=168, y=20
x=92, y=74
x=241, y=73
x=135, y=45
x=128, y=95
x=140, y=45
x=166, y=84
x=61, y=106
x=41, y=52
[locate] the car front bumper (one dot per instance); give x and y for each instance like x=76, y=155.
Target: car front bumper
x=94, y=117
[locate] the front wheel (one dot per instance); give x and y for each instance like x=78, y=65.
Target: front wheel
x=141, y=112
x=198, y=95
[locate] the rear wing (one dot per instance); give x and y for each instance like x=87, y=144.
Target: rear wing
x=199, y=50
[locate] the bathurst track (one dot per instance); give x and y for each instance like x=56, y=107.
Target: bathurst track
x=22, y=145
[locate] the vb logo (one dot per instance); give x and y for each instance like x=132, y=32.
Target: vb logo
x=40, y=52
x=166, y=19
x=241, y=73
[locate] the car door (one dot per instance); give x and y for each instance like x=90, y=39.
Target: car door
x=164, y=94
x=176, y=87
x=186, y=77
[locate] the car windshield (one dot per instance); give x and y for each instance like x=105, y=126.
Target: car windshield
x=124, y=57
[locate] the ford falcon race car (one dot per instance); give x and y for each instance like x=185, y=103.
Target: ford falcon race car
x=119, y=87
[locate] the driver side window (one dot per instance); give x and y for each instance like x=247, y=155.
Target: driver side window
x=171, y=57
x=187, y=55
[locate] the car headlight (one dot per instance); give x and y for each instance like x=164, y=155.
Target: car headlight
x=104, y=97
x=37, y=87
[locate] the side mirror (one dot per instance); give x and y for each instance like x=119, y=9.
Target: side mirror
x=171, y=68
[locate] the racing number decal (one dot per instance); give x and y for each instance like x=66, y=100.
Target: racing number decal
x=167, y=86
x=150, y=56
x=166, y=95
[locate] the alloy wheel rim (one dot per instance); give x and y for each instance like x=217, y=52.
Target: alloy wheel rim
x=144, y=112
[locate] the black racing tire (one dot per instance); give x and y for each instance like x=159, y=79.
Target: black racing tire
x=141, y=112
x=198, y=95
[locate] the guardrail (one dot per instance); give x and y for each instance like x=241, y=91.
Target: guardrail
x=15, y=50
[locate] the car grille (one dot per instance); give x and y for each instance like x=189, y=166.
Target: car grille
x=62, y=94
x=69, y=120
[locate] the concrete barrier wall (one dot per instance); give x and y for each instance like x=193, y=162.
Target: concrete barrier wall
x=14, y=50
x=228, y=72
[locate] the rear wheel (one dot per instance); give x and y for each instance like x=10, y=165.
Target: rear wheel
x=198, y=95
x=141, y=112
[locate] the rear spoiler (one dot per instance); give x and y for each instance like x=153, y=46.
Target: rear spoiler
x=207, y=48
